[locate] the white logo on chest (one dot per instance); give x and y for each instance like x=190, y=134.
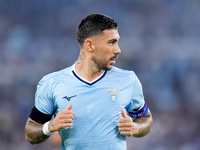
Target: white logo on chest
x=113, y=95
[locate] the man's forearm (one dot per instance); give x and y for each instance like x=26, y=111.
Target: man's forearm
x=34, y=132
x=144, y=124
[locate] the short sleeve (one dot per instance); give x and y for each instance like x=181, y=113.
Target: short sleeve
x=137, y=106
x=43, y=97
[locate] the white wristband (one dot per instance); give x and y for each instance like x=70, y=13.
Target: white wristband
x=46, y=129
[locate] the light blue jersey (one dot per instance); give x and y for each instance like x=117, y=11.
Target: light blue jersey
x=96, y=105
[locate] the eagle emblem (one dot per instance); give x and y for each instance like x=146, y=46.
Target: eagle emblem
x=113, y=95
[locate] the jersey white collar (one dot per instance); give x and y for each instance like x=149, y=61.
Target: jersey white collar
x=86, y=81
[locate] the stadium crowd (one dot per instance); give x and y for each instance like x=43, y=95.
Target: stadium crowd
x=160, y=41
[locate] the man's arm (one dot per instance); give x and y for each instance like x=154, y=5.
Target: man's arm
x=34, y=132
x=137, y=127
x=144, y=124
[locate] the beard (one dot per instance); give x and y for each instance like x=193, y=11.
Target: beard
x=102, y=64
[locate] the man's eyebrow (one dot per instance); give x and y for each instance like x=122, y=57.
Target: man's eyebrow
x=112, y=40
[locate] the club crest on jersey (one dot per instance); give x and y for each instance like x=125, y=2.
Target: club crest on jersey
x=113, y=95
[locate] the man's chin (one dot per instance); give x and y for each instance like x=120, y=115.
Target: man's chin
x=108, y=67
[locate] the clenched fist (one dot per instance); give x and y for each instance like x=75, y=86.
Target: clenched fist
x=62, y=120
x=126, y=125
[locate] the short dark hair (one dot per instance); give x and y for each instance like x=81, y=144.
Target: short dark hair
x=93, y=25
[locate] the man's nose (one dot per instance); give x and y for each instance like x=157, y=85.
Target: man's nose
x=117, y=50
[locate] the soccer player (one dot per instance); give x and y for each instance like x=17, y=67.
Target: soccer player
x=95, y=105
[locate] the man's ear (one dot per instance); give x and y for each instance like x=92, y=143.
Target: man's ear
x=89, y=45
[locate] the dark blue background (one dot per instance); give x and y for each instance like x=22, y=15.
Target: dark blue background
x=160, y=41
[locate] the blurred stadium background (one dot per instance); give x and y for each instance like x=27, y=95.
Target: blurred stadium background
x=160, y=41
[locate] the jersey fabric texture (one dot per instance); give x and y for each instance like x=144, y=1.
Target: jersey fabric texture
x=96, y=105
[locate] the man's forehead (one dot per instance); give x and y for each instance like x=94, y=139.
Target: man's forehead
x=110, y=34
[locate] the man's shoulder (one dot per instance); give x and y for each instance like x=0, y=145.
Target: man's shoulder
x=121, y=74
x=122, y=71
x=57, y=74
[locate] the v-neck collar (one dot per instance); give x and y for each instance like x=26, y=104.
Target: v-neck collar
x=86, y=81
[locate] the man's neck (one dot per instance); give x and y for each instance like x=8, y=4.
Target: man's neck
x=85, y=68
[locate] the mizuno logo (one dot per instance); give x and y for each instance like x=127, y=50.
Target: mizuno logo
x=113, y=95
x=69, y=98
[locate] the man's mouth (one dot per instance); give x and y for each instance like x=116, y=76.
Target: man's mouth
x=113, y=59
